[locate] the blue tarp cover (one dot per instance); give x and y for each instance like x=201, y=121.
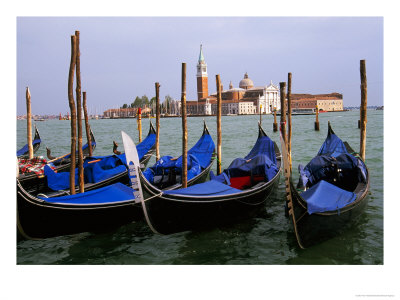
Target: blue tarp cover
x=209, y=188
x=165, y=163
x=58, y=181
x=142, y=148
x=94, y=172
x=333, y=146
x=264, y=145
x=203, y=150
x=261, y=160
x=326, y=197
x=324, y=167
x=117, y=192
x=257, y=165
x=25, y=149
x=199, y=156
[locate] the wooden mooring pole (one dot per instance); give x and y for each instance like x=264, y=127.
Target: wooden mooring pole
x=139, y=123
x=219, y=134
x=73, y=115
x=79, y=114
x=316, y=124
x=275, y=125
x=184, y=128
x=363, y=109
x=157, y=121
x=289, y=135
x=87, y=126
x=29, y=123
x=283, y=111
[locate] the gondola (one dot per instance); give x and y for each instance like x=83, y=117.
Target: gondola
x=331, y=193
x=24, y=151
x=239, y=192
x=108, y=201
x=40, y=184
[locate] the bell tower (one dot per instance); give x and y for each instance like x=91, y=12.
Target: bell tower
x=202, y=77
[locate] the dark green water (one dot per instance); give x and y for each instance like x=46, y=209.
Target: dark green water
x=265, y=240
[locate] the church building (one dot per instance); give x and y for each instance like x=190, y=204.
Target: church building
x=245, y=99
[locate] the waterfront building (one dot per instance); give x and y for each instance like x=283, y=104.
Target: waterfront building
x=325, y=102
x=245, y=99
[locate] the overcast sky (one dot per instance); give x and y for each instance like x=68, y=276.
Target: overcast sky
x=122, y=57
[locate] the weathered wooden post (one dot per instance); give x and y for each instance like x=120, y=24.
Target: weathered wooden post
x=363, y=108
x=289, y=102
x=275, y=125
x=184, y=128
x=260, y=114
x=73, y=115
x=283, y=111
x=87, y=126
x=316, y=124
x=219, y=135
x=79, y=115
x=139, y=123
x=29, y=123
x=157, y=121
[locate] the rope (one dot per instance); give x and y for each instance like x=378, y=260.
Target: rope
x=158, y=195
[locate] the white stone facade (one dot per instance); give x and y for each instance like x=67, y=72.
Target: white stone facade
x=269, y=100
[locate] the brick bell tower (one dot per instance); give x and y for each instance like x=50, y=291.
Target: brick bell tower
x=202, y=77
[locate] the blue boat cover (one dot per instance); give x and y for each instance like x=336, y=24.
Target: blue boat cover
x=25, y=149
x=257, y=165
x=333, y=146
x=264, y=145
x=94, y=172
x=199, y=157
x=58, y=181
x=324, y=197
x=142, y=148
x=116, y=192
x=146, y=145
x=209, y=188
x=323, y=167
x=203, y=150
x=166, y=163
x=261, y=160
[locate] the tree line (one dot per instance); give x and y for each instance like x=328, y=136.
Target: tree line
x=144, y=101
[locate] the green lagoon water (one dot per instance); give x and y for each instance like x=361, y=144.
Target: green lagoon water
x=266, y=240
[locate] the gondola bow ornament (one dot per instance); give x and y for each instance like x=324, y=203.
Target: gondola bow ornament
x=132, y=161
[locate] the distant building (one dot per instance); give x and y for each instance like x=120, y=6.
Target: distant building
x=245, y=99
x=325, y=102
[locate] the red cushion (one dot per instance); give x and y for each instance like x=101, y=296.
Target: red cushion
x=244, y=181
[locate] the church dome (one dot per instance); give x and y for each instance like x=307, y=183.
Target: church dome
x=246, y=82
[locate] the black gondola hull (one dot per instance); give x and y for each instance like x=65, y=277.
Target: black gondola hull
x=41, y=220
x=319, y=227
x=171, y=214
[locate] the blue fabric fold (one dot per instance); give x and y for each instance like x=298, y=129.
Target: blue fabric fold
x=324, y=197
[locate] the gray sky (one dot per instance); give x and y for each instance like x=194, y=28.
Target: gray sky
x=122, y=57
